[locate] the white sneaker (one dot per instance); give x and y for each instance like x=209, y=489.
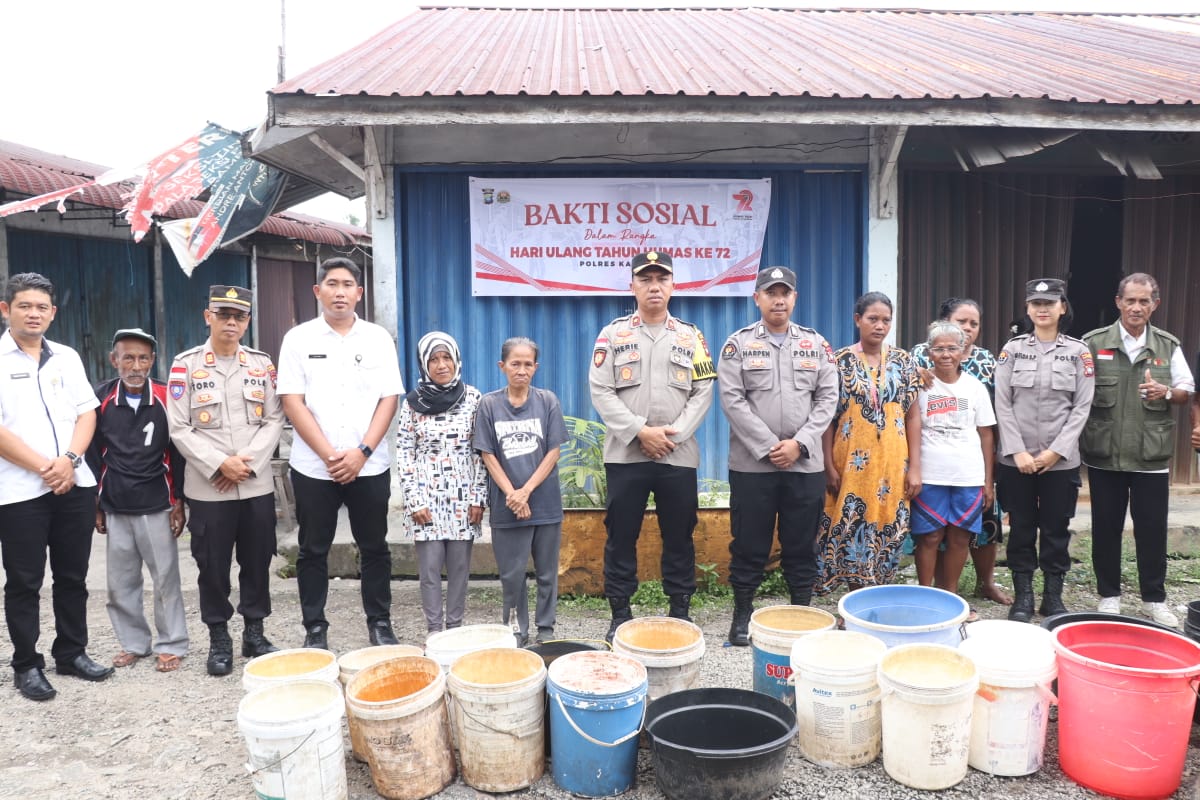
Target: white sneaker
x=1110, y=605
x=1160, y=614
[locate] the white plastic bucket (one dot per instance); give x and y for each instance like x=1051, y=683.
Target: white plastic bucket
x=445, y=647
x=837, y=697
x=1012, y=706
x=773, y=631
x=928, y=693
x=349, y=665
x=497, y=712
x=284, y=666
x=293, y=734
x=670, y=649
x=400, y=706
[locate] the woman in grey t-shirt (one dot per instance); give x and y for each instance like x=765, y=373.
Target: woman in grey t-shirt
x=518, y=432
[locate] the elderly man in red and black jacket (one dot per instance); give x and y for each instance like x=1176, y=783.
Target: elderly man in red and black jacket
x=140, y=504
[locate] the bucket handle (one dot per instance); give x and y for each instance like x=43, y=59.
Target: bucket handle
x=282, y=758
x=597, y=742
x=516, y=734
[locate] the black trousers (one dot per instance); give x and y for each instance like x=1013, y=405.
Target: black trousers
x=317, y=504
x=757, y=500
x=1146, y=495
x=219, y=530
x=629, y=487
x=60, y=525
x=1033, y=502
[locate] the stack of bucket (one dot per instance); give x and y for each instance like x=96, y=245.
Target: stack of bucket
x=291, y=719
x=350, y=665
x=773, y=631
x=670, y=649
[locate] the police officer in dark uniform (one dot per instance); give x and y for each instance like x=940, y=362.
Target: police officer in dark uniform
x=226, y=419
x=651, y=383
x=779, y=390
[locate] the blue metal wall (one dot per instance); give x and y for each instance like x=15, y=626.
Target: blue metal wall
x=815, y=226
x=185, y=298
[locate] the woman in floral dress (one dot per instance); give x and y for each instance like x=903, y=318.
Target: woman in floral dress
x=444, y=480
x=872, y=456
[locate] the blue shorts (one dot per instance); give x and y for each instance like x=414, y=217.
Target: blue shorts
x=938, y=506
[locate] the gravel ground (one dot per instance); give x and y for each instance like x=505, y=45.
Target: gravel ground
x=145, y=734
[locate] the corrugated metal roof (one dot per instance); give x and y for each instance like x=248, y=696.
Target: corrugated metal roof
x=760, y=52
x=32, y=172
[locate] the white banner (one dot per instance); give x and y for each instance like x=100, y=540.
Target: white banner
x=537, y=236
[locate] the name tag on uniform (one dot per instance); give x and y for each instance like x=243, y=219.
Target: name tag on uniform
x=316, y=355
x=18, y=375
x=1104, y=355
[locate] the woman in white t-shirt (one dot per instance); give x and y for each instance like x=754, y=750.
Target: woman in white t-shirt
x=956, y=458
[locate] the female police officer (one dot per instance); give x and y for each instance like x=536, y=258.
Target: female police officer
x=1044, y=386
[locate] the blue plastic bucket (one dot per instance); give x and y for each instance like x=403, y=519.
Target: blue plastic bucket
x=905, y=614
x=597, y=706
x=773, y=631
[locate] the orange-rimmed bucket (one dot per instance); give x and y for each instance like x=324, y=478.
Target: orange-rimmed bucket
x=1125, y=700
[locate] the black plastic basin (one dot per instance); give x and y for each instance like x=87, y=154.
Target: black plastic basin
x=719, y=744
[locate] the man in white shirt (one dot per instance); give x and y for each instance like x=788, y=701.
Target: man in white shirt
x=47, y=492
x=1141, y=372
x=339, y=379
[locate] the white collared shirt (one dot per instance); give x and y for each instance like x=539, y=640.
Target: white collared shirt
x=1181, y=373
x=40, y=404
x=342, y=378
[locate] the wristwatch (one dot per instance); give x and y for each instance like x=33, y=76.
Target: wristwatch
x=76, y=461
x=366, y=451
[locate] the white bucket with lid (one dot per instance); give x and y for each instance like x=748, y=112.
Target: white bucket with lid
x=837, y=697
x=1008, y=728
x=928, y=693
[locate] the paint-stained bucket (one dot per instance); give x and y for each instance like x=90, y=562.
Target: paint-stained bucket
x=597, y=706
x=498, y=712
x=670, y=649
x=1125, y=700
x=293, y=734
x=837, y=697
x=905, y=614
x=773, y=631
x=400, y=708
x=349, y=665
x=1016, y=666
x=446, y=646
x=284, y=666
x=928, y=693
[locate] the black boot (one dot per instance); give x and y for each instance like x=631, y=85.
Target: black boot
x=1052, y=595
x=680, y=603
x=801, y=597
x=220, y=649
x=743, y=607
x=1022, y=608
x=254, y=643
x=621, y=613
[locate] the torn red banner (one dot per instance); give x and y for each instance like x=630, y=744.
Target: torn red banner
x=34, y=203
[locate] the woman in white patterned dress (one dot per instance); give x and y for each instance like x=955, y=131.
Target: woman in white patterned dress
x=444, y=480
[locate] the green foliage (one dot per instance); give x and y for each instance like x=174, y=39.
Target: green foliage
x=649, y=593
x=774, y=585
x=581, y=475
x=714, y=493
x=709, y=584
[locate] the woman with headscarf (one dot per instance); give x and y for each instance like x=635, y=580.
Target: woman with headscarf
x=444, y=480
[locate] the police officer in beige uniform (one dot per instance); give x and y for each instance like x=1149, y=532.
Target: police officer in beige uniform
x=1044, y=386
x=651, y=383
x=779, y=389
x=226, y=419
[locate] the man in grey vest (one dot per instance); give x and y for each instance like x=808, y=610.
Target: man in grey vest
x=1140, y=373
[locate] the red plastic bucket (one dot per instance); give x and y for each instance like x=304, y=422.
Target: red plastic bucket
x=1125, y=702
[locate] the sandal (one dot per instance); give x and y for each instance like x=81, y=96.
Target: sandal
x=125, y=659
x=168, y=662
x=973, y=615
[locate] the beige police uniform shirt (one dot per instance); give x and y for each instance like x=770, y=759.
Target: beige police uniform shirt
x=217, y=410
x=771, y=392
x=1043, y=397
x=641, y=378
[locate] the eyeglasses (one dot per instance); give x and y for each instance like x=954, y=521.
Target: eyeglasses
x=225, y=316
x=939, y=351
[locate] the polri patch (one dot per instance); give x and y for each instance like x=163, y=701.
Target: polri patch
x=729, y=350
x=176, y=388
x=1089, y=366
x=1002, y=358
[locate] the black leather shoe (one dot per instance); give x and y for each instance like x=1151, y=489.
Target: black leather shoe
x=316, y=635
x=380, y=632
x=220, y=650
x=33, y=684
x=83, y=667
